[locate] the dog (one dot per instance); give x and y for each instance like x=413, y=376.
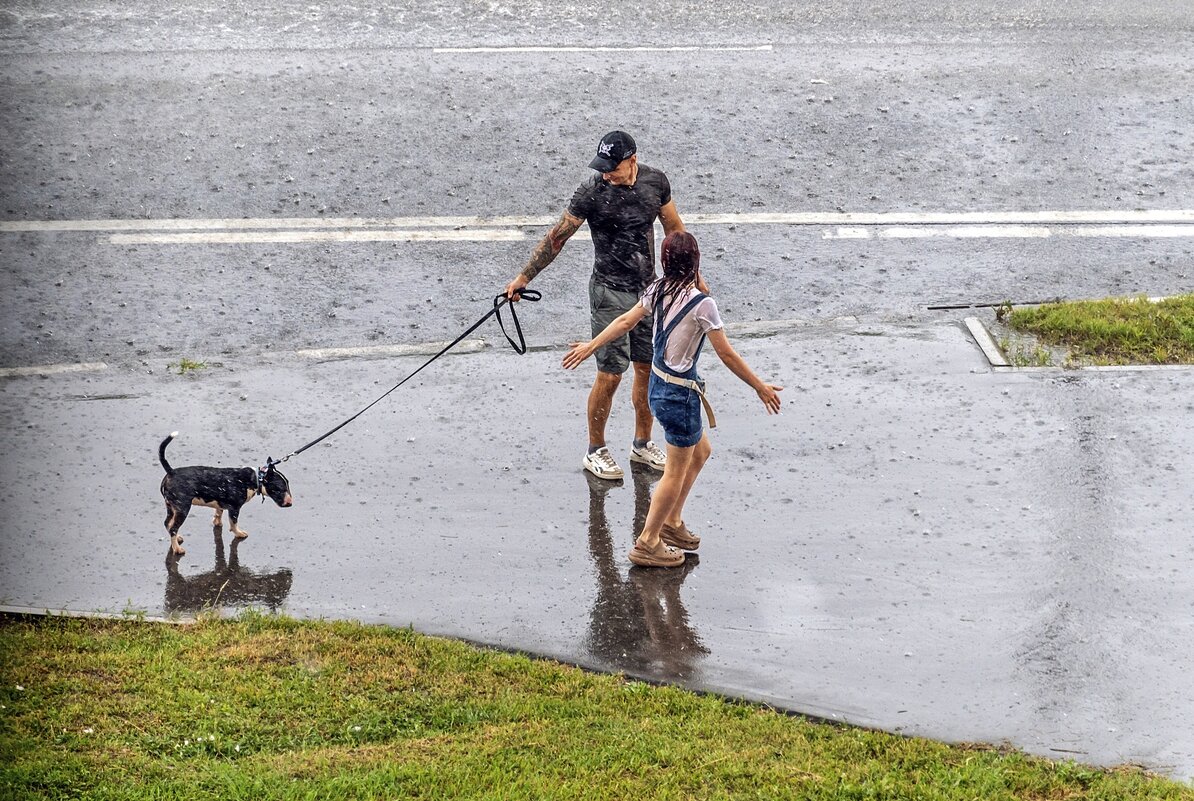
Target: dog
x=219, y=488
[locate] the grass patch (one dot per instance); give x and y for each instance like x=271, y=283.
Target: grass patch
x=185, y=366
x=1114, y=331
x=272, y=708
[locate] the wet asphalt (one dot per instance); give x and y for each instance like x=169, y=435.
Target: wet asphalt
x=917, y=543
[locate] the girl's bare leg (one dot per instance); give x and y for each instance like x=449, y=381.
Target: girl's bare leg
x=700, y=454
x=667, y=492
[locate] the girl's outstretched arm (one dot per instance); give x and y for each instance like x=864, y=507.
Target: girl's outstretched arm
x=579, y=351
x=768, y=393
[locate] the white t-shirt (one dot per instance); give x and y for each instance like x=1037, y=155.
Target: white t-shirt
x=683, y=341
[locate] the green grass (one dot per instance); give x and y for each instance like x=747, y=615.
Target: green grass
x=1114, y=331
x=265, y=708
x=185, y=366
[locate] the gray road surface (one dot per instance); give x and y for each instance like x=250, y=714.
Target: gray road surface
x=150, y=113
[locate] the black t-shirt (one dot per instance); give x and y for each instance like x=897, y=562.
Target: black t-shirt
x=622, y=222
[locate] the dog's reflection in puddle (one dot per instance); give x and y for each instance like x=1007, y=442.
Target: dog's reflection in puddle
x=227, y=585
x=638, y=624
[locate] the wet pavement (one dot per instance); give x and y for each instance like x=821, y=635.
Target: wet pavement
x=918, y=543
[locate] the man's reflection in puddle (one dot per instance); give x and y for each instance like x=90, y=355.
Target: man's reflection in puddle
x=228, y=585
x=638, y=624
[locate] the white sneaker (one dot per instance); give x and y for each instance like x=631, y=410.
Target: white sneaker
x=601, y=464
x=650, y=454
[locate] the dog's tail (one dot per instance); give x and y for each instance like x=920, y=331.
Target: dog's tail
x=162, y=453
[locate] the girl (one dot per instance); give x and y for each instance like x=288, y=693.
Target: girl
x=684, y=317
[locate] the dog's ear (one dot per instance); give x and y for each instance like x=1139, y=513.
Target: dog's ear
x=269, y=464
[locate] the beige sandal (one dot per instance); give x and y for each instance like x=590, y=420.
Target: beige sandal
x=663, y=556
x=680, y=536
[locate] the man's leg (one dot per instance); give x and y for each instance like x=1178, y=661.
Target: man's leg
x=641, y=353
x=643, y=420
x=601, y=400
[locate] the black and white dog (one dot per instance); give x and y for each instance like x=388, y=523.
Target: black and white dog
x=217, y=487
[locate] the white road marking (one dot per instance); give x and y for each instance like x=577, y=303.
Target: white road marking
x=241, y=237
x=947, y=217
x=1104, y=217
x=51, y=369
x=1010, y=232
x=966, y=232
x=852, y=232
x=607, y=49
x=381, y=351
x=269, y=223
x=1130, y=231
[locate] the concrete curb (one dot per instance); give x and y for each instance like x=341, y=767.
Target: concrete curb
x=33, y=611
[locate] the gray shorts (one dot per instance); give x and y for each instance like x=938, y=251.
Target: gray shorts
x=605, y=306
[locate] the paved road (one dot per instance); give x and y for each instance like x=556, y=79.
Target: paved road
x=986, y=557
x=154, y=112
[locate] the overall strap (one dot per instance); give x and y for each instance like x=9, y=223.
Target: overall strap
x=662, y=333
x=688, y=307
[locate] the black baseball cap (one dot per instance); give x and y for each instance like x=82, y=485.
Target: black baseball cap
x=615, y=147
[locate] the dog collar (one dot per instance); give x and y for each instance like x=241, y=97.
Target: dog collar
x=260, y=482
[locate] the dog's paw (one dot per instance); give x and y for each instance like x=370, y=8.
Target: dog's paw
x=240, y=533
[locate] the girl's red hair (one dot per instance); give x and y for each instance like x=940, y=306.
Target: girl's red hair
x=681, y=259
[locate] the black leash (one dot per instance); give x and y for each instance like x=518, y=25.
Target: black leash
x=520, y=347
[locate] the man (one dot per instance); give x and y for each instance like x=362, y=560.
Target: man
x=620, y=202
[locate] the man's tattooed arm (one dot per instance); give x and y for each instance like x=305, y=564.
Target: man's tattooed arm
x=550, y=246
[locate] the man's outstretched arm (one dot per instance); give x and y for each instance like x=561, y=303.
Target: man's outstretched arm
x=545, y=252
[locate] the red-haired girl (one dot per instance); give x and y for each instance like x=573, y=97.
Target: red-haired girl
x=684, y=318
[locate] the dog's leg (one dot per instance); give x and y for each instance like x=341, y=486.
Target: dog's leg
x=233, y=516
x=172, y=530
x=218, y=520
x=174, y=521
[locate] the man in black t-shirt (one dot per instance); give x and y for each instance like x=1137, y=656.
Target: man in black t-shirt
x=620, y=202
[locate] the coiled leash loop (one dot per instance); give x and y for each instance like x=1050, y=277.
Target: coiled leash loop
x=520, y=347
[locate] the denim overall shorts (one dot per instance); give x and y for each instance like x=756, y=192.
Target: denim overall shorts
x=676, y=398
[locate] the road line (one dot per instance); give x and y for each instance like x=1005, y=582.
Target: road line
x=269, y=223
x=1010, y=232
x=383, y=351
x=1128, y=217
x=948, y=218
x=1130, y=231
x=851, y=232
x=52, y=369
x=966, y=232
x=607, y=49
x=242, y=237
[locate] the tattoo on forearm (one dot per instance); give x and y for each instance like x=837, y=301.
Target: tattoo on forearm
x=550, y=246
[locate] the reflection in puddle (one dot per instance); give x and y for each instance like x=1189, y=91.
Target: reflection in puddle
x=638, y=624
x=227, y=585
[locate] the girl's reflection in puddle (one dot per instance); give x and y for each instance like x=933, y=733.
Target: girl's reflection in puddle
x=638, y=623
